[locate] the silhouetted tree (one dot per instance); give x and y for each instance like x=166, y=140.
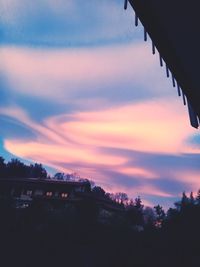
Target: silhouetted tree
x=121, y=198
x=172, y=214
x=184, y=200
x=191, y=200
x=160, y=215
x=183, y=203
x=16, y=169
x=37, y=171
x=138, y=203
x=75, y=231
x=59, y=176
x=111, y=196
x=98, y=191
x=149, y=216
x=92, y=183
x=2, y=167
x=134, y=211
x=68, y=177
x=198, y=197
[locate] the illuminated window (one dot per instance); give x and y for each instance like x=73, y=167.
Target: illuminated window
x=64, y=195
x=49, y=194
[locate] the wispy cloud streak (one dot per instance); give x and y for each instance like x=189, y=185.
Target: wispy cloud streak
x=79, y=140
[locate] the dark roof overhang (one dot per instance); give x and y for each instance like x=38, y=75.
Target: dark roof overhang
x=173, y=27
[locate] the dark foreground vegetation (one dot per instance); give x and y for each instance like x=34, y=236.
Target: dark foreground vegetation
x=88, y=235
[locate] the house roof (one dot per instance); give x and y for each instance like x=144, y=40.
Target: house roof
x=37, y=181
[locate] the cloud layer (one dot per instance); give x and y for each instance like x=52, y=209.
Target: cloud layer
x=120, y=148
x=65, y=23
x=60, y=74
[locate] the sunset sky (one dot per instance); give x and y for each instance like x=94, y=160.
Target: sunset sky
x=81, y=92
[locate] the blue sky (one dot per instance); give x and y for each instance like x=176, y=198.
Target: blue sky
x=81, y=91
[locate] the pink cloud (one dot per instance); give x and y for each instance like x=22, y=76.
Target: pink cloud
x=77, y=140
x=58, y=74
x=143, y=127
x=137, y=172
x=142, y=191
x=190, y=177
x=83, y=141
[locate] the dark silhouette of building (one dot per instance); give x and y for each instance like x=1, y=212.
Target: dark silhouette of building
x=173, y=27
x=24, y=191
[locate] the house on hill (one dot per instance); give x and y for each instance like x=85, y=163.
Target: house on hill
x=24, y=191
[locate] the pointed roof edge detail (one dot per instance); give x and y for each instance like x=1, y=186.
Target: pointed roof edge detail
x=146, y=14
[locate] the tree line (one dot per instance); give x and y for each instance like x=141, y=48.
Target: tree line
x=17, y=169
x=135, y=211
x=87, y=235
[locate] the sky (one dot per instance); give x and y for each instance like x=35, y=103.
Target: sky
x=80, y=91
